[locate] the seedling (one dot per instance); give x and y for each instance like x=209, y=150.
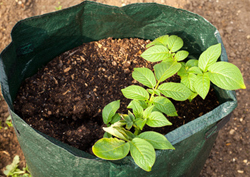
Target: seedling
x=8, y=121
x=150, y=103
x=12, y=170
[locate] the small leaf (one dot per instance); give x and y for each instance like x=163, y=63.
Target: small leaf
x=157, y=140
x=129, y=121
x=137, y=108
x=111, y=149
x=191, y=63
x=182, y=72
x=157, y=119
x=226, y=76
x=162, y=40
x=181, y=55
x=151, y=91
x=177, y=91
x=202, y=85
x=135, y=92
x=157, y=92
x=131, y=116
x=145, y=76
x=107, y=135
x=209, y=57
x=156, y=53
x=148, y=111
x=142, y=103
x=165, y=105
x=115, y=118
x=143, y=153
x=194, y=94
x=109, y=111
x=165, y=70
x=140, y=123
x=175, y=43
x=195, y=70
x=119, y=132
x=189, y=80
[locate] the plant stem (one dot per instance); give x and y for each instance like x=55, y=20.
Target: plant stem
x=152, y=96
x=137, y=131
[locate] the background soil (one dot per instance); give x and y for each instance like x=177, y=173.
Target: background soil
x=230, y=155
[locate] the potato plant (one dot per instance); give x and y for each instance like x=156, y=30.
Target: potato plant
x=150, y=104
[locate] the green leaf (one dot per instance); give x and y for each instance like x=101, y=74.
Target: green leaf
x=109, y=111
x=226, y=76
x=148, y=111
x=119, y=132
x=181, y=55
x=202, y=85
x=111, y=149
x=129, y=120
x=165, y=70
x=175, y=43
x=107, y=135
x=177, y=91
x=157, y=92
x=156, y=53
x=115, y=118
x=157, y=119
x=165, y=105
x=157, y=140
x=182, y=72
x=135, y=92
x=145, y=76
x=131, y=116
x=195, y=70
x=140, y=123
x=209, y=57
x=142, y=103
x=151, y=91
x=137, y=108
x=194, y=94
x=162, y=40
x=192, y=62
x=143, y=153
x=189, y=80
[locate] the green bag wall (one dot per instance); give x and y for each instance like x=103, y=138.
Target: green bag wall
x=37, y=40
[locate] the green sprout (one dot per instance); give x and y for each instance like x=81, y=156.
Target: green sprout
x=12, y=170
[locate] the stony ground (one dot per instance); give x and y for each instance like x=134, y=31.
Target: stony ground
x=230, y=156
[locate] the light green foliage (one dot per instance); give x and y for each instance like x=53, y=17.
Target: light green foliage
x=157, y=140
x=135, y=92
x=111, y=148
x=143, y=153
x=59, y=7
x=197, y=74
x=166, y=69
x=145, y=76
x=150, y=103
x=226, y=75
x=110, y=110
x=12, y=170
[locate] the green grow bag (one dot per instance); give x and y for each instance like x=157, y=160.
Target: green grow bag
x=37, y=40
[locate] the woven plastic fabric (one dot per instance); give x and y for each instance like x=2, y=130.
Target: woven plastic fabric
x=37, y=40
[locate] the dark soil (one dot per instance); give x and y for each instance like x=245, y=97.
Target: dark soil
x=66, y=97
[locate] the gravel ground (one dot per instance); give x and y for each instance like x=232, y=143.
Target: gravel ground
x=230, y=156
